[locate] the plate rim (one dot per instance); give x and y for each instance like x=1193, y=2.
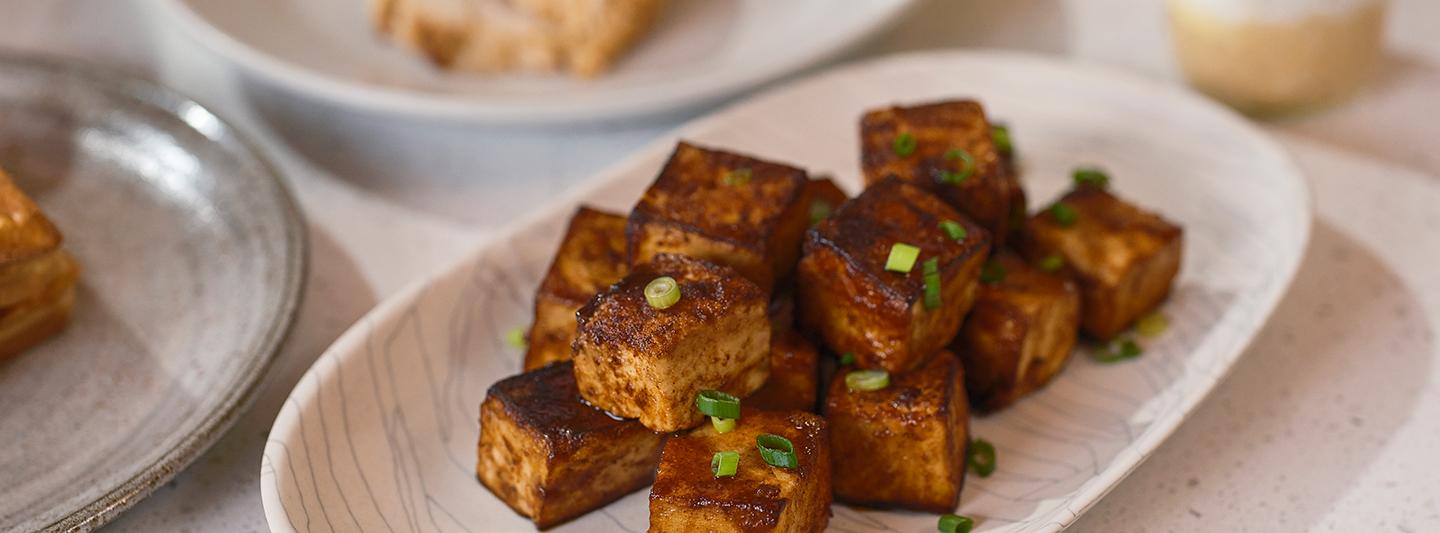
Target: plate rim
x=1087, y=495
x=236, y=401
x=461, y=109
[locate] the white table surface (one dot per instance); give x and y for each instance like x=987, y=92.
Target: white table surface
x=1331, y=421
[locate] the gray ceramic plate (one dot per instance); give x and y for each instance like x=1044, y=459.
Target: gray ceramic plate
x=193, y=258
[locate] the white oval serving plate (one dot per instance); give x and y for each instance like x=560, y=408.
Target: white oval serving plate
x=700, y=51
x=380, y=434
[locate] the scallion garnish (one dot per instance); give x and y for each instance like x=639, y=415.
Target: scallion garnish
x=1000, y=135
x=902, y=257
x=776, y=451
x=517, y=337
x=982, y=457
x=819, y=210
x=1063, y=214
x=1052, y=263
x=662, y=292
x=952, y=523
x=904, y=144
x=722, y=425
x=1152, y=324
x=718, y=404
x=738, y=176
x=867, y=380
x=1128, y=349
x=992, y=272
x=967, y=167
x=1090, y=176
x=847, y=358
x=954, y=229
x=724, y=464
x=931, y=270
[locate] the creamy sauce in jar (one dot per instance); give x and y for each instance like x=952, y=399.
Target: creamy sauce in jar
x=1277, y=56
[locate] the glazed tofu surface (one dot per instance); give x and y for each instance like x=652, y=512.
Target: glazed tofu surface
x=846, y=295
x=552, y=458
x=824, y=197
x=637, y=361
x=591, y=256
x=724, y=207
x=1019, y=334
x=937, y=128
x=1123, y=257
x=687, y=497
x=794, y=375
x=902, y=446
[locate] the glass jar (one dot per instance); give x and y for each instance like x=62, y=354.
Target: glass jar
x=1277, y=56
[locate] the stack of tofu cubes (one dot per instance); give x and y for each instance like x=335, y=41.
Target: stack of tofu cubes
x=780, y=275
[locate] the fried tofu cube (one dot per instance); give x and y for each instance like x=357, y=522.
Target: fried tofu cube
x=825, y=197
x=728, y=208
x=591, y=257
x=1019, y=334
x=845, y=293
x=552, y=458
x=1019, y=204
x=926, y=145
x=1123, y=257
x=687, y=496
x=794, y=375
x=904, y=445
x=637, y=361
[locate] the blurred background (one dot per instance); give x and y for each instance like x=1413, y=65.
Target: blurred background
x=391, y=196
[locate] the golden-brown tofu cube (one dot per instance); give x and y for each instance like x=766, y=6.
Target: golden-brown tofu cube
x=591, y=257
x=1019, y=204
x=825, y=197
x=638, y=361
x=724, y=207
x=1123, y=257
x=845, y=293
x=794, y=375
x=1019, y=334
x=688, y=497
x=928, y=144
x=904, y=445
x=552, y=458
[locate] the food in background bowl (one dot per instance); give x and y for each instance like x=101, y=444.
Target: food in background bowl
x=584, y=37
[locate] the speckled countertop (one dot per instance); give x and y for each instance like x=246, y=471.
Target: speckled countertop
x=1329, y=422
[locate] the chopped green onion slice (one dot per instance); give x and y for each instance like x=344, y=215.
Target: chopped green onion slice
x=1127, y=350
x=902, y=257
x=1090, y=176
x=951, y=523
x=847, y=358
x=722, y=425
x=867, y=380
x=932, y=283
x=819, y=210
x=724, y=464
x=739, y=176
x=992, y=272
x=517, y=337
x=982, y=457
x=904, y=144
x=776, y=451
x=1052, y=263
x=954, y=229
x=718, y=404
x=1152, y=324
x=1000, y=135
x=1064, y=214
x=967, y=167
x=662, y=292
